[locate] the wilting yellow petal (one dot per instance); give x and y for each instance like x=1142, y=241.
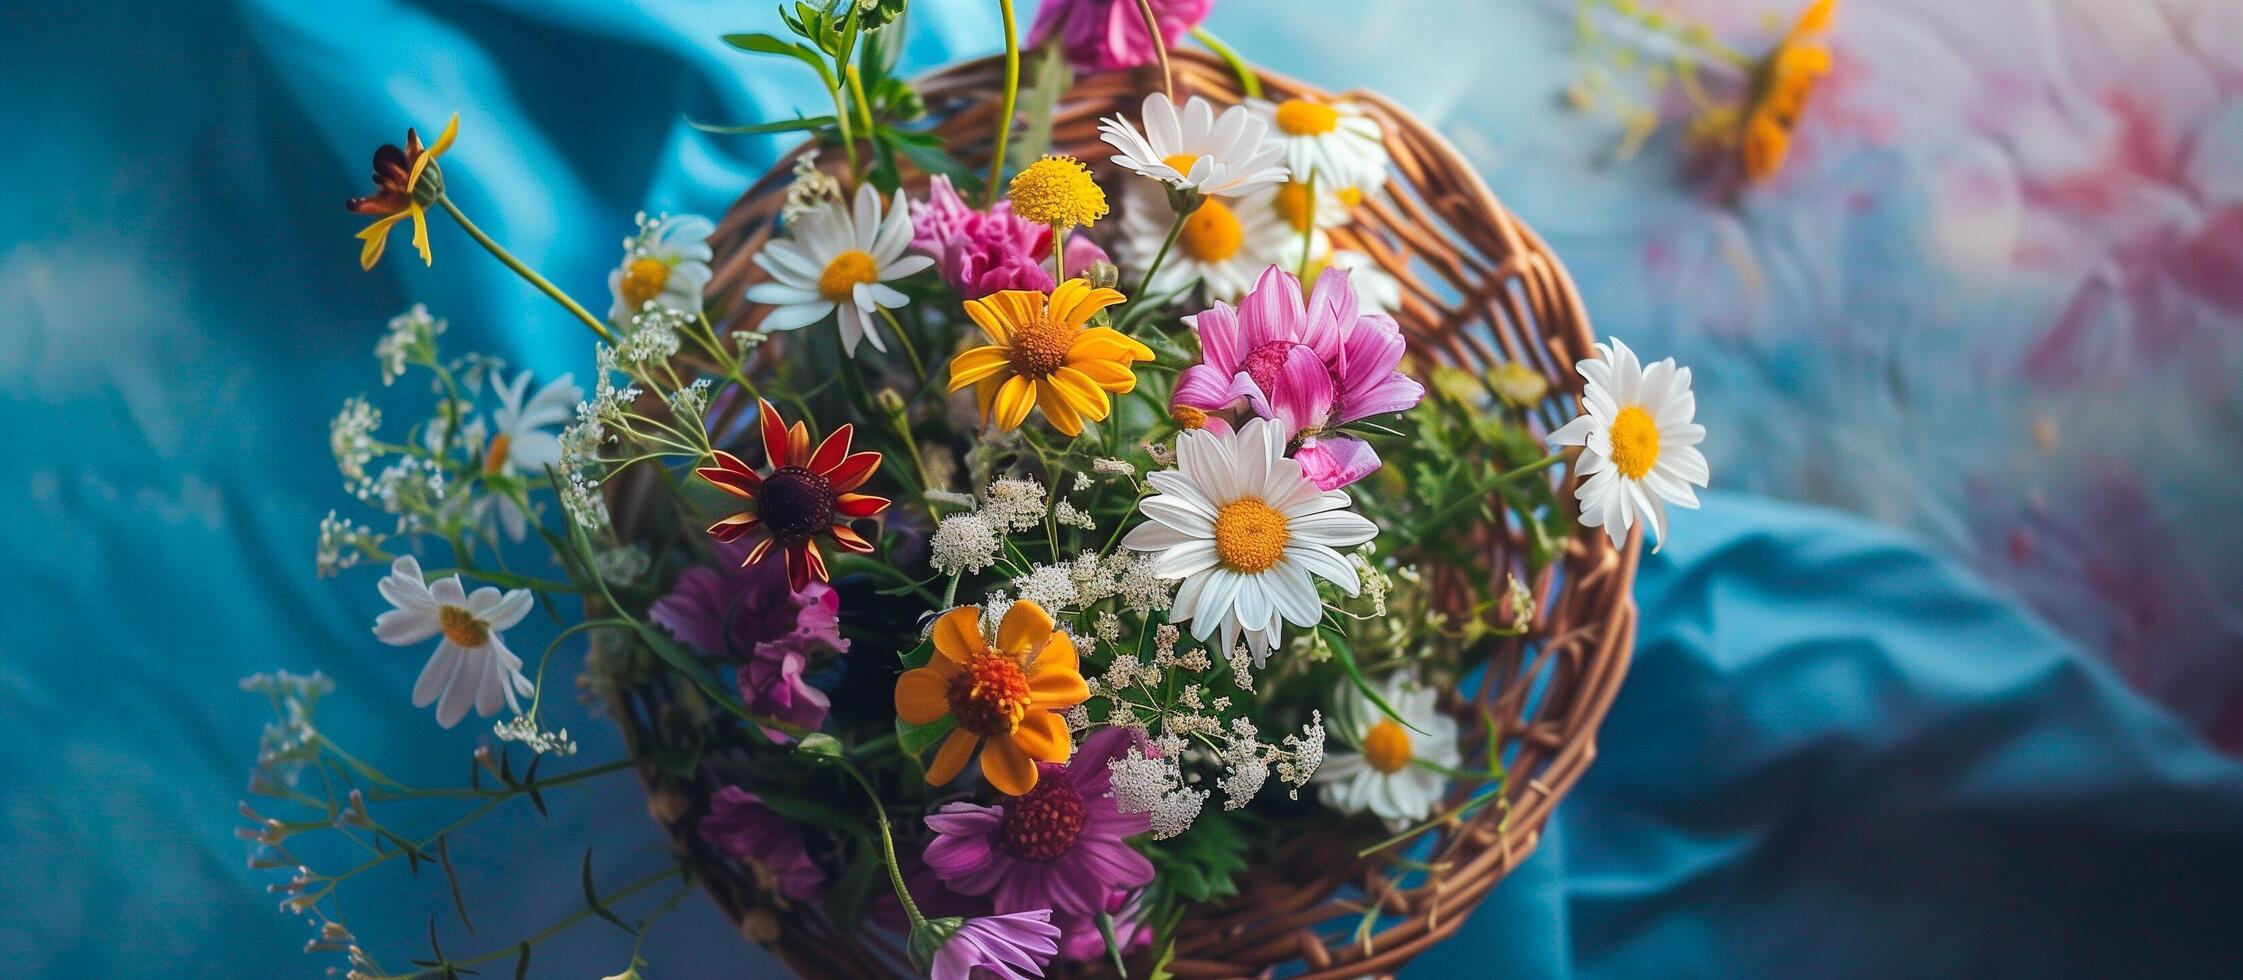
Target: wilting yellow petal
x=443, y=142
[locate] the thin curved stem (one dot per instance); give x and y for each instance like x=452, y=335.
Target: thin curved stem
x=1160, y=48
x=1011, y=103
x=528, y=274
x=1249, y=83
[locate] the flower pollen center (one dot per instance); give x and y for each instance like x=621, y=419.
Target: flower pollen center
x=643, y=280
x=1635, y=442
x=1188, y=417
x=990, y=696
x=1387, y=746
x=1181, y=163
x=847, y=270
x=1301, y=117
x=795, y=503
x=495, y=458
x=461, y=627
x=1212, y=233
x=1292, y=204
x=1250, y=535
x=1038, y=349
x=1043, y=825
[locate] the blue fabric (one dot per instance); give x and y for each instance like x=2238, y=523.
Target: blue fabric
x=1836, y=754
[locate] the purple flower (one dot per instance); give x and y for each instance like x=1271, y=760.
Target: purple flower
x=1003, y=946
x=748, y=614
x=1059, y=847
x=1081, y=941
x=1311, y=366
x=1108, y=35
x=980, y=253
x=742, y=828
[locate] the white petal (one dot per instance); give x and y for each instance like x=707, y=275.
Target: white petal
x=1326, y=564
x=436, y=674
x=1337, y=529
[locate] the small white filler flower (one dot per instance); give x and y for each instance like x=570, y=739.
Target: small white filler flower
x=472, y=665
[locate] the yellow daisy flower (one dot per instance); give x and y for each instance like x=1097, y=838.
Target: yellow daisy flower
x=1040, y=355
x=1057, y=191
x=406, y=182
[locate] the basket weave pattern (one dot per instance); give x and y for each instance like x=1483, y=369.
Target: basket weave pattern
x=1479, y=288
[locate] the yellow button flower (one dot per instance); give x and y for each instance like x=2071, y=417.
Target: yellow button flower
x=1057, y=191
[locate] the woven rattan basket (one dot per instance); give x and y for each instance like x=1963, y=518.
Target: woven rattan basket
x=1478, y=288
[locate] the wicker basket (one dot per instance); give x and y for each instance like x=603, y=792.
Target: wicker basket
x=1478, y=288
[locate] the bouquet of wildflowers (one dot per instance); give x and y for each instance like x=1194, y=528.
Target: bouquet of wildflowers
x=992, y=583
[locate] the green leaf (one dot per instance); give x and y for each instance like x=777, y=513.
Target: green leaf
x=915, y=740
x=804, y=123
x=1048, y=79
x=845, y=901
x=920, y=655
x=592, y=896
x=819, y=745
x=1346, y=656
x=926, y=152
x=767, y=44
x=1200, y=864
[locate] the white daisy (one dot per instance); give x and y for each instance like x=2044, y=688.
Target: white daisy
x=1218, y=156
x=1224, y=246
x=1377, y=773
x=1641, y=447
x=472, y=665
x=1335, y=205
x=1245, y=530
x=1376, y=290
x=666, y=263
x=834, y=259
x=1333, y=142
x=522, y=444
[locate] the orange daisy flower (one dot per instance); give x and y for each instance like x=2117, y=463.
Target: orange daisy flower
x=1040, y=354
x=1780, y=89
x=1008, y=695
x=406, y=182
x=807, y=493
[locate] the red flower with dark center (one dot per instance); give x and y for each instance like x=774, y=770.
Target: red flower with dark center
x=807, y=493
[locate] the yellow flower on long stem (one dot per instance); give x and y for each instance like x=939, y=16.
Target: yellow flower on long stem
x=1041, y=355
x=1781, y=85
x=406, y=182
x=1008, y=695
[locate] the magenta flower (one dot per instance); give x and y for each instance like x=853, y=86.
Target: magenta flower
x=1109, y=35
x=1081, y=941
x=743, y=828
x=1059, y=847
x=980, y=252
x=1006, y=947
x=1311, y=366
x=748, y=614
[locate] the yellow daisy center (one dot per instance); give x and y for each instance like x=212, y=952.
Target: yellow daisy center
x=1250, y=535
x=1212, y=233
x=1387, y=746
x=643, y=280
x=1181, y=162
x=494, y=458
x=1292, y=204
x=1635, y=442
x=839, y=282
x=1187, y=417
x=461, y=627
x=1039, y=349
x=1302, y=117
x=1057, y=191
x=1350, y=196
x=990, y=696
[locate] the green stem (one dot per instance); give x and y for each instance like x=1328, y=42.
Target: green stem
x=1249, y=84
x=910, y=350
x=887, y=845
x=1145, y=282
x=562, y=926
x=1011, y=103
x=528, y=274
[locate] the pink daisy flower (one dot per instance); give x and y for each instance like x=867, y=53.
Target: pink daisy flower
x=1060, y=847
x=1004, y=947
x=1311, y=365
x=1109, y=35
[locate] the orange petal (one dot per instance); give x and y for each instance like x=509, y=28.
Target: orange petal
x=958, y=634
x=990, y=319
x=798, y=443
x=952, y=757
x=1014, y=398
x=922, y=695
x=976, y=364
x=1059, y=410
x=734, y=526
x=1055, y=680
x=1042, y=735
x=1006, y=767
x=852, y=471
x=859, y=505
x=1026, y=626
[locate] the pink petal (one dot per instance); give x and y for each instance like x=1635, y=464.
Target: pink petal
x=1332, y=462
x=1332, y=312
x=1220, y=343
x=1272, y=310
x=1303, y=398
x=1203, y=386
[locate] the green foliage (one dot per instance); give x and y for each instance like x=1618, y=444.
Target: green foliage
x=1202, y=863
